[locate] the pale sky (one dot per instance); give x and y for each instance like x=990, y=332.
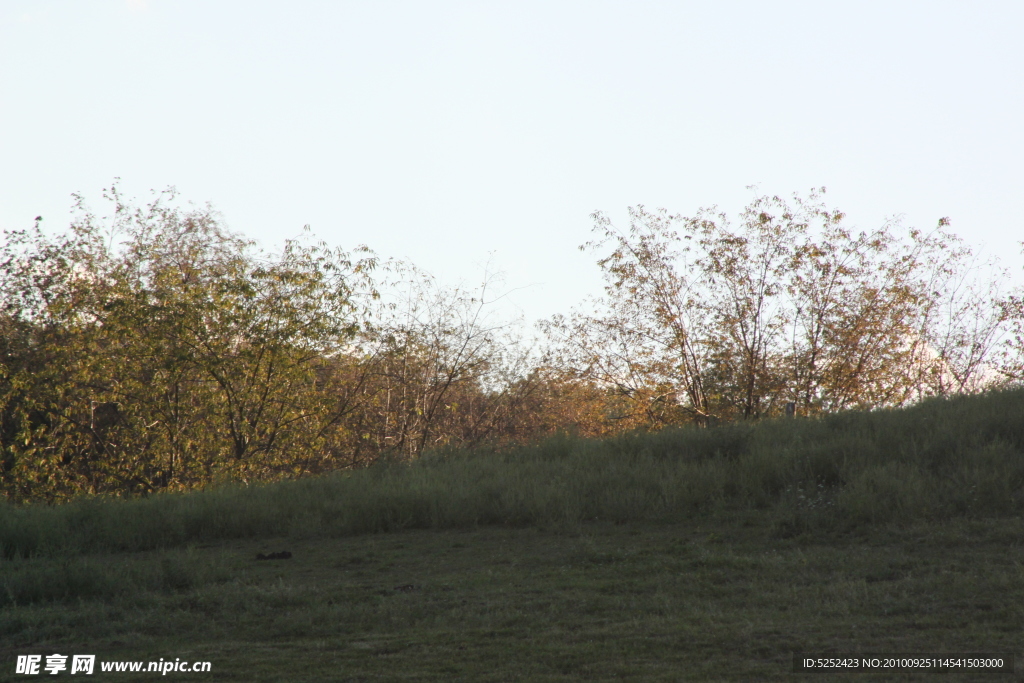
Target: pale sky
x=453, y=133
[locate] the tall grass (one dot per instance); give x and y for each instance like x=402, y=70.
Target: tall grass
x=941, y=459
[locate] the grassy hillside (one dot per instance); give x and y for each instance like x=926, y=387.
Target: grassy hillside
x=685, y=554
x=943, y=459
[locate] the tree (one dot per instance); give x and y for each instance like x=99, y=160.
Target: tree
x=203, y=353
x=1008, y=359
x=704, y=320
x=744, y=274
x=644, y=338
x=966, y=324
x=444, y=367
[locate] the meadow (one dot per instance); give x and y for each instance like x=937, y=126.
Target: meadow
x=683, y=554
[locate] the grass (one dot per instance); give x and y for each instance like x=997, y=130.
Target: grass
x=682, y=555
x=717, y=600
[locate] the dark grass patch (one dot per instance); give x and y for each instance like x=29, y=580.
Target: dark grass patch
x=723, y=599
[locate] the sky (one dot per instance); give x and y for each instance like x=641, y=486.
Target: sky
x=476, y=136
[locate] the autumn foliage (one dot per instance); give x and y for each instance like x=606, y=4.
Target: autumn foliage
x=156, y=350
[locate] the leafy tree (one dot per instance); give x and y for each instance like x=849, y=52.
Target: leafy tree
x=744, y=275
x=644, y=339
x=201, y=353
x=708, y=321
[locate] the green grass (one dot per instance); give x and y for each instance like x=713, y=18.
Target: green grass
x=718, y=600
x=681, y=555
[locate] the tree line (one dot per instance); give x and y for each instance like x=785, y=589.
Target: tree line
x=156, y=350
